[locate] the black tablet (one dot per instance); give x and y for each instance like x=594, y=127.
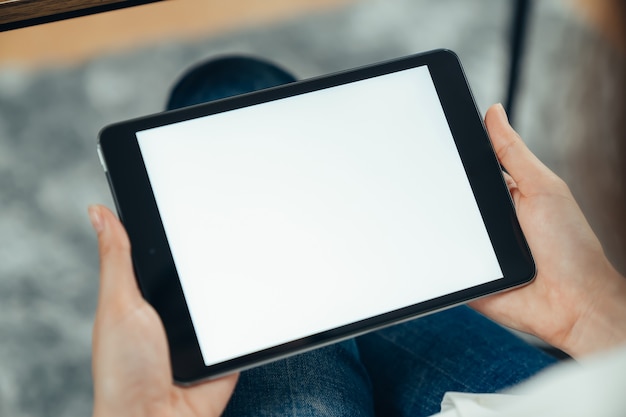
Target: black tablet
x=275, y=222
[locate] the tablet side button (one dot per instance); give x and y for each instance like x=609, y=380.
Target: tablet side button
x=104, y=165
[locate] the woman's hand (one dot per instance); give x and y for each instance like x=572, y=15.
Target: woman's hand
x=578, y=300
x=131, y=365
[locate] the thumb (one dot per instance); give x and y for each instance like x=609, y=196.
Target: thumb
x=118, y=287
x=523, y=166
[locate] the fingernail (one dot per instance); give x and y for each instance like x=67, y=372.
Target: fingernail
x=502, y=112
x=96, y=218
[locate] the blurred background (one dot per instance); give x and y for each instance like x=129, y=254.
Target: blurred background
x=61, y=82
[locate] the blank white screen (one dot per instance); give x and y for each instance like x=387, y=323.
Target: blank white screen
x=296, y=216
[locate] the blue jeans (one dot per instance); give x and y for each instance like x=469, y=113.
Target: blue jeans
x=403, y=370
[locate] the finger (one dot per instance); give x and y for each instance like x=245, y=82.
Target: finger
x=218, y=391
x=513, y=188
x=513, y=154
x=118, y=287
x=510, y=182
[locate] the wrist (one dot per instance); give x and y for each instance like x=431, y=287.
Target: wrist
x=601, y=324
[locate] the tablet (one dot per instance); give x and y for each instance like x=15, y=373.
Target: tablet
x=275, y=222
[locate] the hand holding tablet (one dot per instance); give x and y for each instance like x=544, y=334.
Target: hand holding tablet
x=279, y=221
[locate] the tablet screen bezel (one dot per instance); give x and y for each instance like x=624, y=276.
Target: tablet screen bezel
x=154, y=264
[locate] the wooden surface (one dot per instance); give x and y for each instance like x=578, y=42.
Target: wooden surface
x=18, y=10
x=606, y=16
x=74, y=40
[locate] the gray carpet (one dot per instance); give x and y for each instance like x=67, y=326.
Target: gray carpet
x=49, y=170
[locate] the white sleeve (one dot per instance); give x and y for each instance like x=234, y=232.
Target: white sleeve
x=595, y=386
